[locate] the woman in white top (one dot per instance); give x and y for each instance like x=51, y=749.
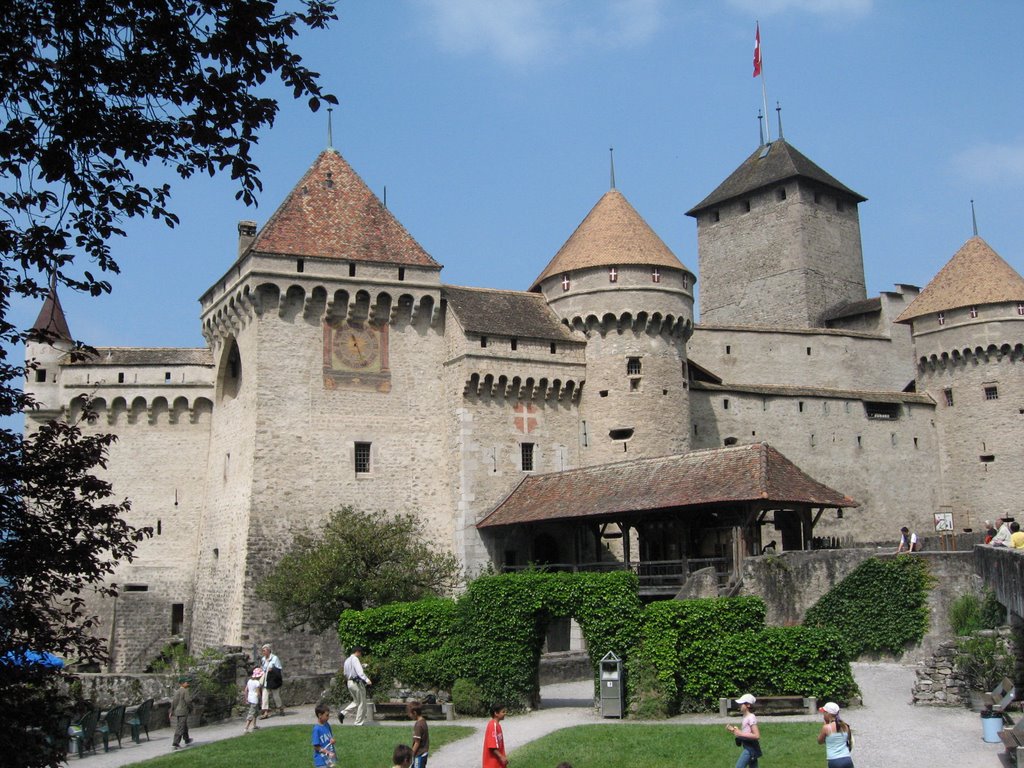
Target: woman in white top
x=835, y=734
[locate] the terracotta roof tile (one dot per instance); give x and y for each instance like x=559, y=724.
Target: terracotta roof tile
x=781, y=161
x=612, y=234
x=975, y=275
x=505, y=313
x=332, y=214
x=750, y=473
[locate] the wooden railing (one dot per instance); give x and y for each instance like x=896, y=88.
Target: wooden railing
x=655, y=576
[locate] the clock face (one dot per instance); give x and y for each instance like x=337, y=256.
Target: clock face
x=356, y=347
x=356, y=356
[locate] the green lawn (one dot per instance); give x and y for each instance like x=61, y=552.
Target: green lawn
x=792, y=745
x=288, y=746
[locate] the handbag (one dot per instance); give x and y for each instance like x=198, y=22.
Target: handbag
x=274, y=678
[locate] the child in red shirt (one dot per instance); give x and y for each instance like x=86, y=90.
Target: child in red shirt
x=494, y=740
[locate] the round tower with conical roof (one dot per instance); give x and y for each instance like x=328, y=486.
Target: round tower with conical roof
x=968, y=332
x=617, y=283
x=45, y=351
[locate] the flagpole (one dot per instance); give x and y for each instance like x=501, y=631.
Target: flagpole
x=764, y=89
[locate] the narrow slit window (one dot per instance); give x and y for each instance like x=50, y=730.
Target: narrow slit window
x=526, y=451
x=613, y=275
x=300, y=265
x=655, y=275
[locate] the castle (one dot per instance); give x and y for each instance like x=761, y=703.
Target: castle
x=341, y=370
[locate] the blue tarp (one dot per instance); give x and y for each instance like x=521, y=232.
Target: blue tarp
x=33, y=658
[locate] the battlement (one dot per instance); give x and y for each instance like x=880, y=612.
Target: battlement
x=358, y=302
x=993, y=353
x=139, y=409
x=656, y=324
x=519, y=388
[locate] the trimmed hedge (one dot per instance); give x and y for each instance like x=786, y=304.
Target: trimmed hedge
x=493, y=634
x=680, y=655
x=774, y=661
x=671, y=639
x=881, y=607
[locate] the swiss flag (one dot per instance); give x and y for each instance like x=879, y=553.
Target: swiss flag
x=757, y=50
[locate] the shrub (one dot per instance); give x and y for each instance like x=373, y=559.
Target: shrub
x=468, y=698
x=881, y=607
x=984, y=660
x=965, y=615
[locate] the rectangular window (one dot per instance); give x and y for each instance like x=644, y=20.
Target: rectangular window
x=362, y=458
x=401, y=273
x=177, y=617
x=483, y=342
x=515, y=344
x=948, y=392
x=300, y=265
x=889, y=411
x=942, y=318
x=633, y=366
x=613, y=275
x=800, y=406
x=745, y=206
x=351, y=270
x=781, y=193
x=992, y=392
x=527, y=456
x=716, y=216
x=120, y=378
x=167, y=375
x=554, y=349
x=655, y=275
x=725, y=403
x=41, y=375
x=974, y=311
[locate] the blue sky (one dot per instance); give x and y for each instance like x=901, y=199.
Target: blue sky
x=489, y=122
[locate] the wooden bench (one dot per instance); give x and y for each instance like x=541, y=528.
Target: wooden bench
x=1013, y=740
x=774, y=705
x=396, y=710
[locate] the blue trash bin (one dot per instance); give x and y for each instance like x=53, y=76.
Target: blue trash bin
x=991, y=725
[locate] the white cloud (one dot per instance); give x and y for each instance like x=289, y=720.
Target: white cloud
x=526, y=32
x=763, y=8
x=991, y=163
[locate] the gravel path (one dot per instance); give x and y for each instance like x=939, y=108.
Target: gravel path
x=890, y=731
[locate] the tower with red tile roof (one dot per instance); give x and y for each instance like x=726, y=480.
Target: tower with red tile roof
x=968, y=331
x=617, y=284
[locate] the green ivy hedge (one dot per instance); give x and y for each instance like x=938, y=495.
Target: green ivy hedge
x=679, y=655
x=669, y=649
x=881, y=607
x=493, y=634
x=772, y=661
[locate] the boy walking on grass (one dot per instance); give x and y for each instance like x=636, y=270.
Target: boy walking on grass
x=324, y=755
x=494, y=739
x=420, y=735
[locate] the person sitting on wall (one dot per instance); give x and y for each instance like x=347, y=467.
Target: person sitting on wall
x=1002, y=537
x=908, y=541
x=1016, y=536
x=990, y=532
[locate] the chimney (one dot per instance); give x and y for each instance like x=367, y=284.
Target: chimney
x=246, y=234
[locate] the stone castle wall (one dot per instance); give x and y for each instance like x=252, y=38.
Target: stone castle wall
x=804, y=358
x=887, y=465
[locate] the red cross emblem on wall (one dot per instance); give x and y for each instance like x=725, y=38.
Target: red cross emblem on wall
x=525, y=417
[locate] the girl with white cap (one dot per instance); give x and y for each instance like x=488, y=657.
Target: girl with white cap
x=837, y=737
x=748, y=735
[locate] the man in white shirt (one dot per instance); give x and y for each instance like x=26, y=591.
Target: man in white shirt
x=270, y=661
x=1002, y=537
x=356, y=680
x=908, y=541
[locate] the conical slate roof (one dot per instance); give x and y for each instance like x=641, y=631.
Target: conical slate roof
x=612, y=234
x=975, y=275
x=770, y=164
x=51, y=317
x=332, y=214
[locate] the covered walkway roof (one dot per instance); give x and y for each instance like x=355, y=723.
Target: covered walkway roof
x=754, y=474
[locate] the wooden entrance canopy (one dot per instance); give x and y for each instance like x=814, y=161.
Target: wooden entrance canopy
x=739, y=485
